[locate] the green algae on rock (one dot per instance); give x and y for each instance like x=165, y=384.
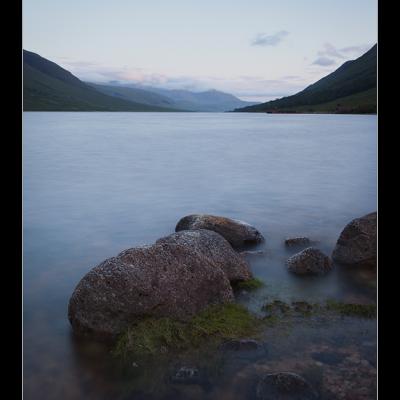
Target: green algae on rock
x=278, y=308
x=215, y=324
x=251, y=284
x=352, y=309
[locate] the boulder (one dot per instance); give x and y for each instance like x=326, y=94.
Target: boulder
x=310, y=261
x=211, y=244
x=237, y=233
x=356, y=245
x=177, y=277
x=297, y=241
x=285, y=386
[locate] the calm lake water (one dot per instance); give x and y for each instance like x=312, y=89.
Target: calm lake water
x=98, y=183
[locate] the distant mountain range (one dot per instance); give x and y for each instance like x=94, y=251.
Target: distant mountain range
x=349, y=89
x=48, y=87
x=211, y=100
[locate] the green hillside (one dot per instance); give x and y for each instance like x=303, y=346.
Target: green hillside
x=359, y=103
x=48, y=87
x=349, y=89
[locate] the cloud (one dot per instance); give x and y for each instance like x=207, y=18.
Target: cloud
x=357, y=50
x=324, y=61
x=263, y=39
x=331, y=51
x=254, y=88
x=330, y=54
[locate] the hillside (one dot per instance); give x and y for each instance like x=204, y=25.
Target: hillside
x=48, y=87
x=349, y=89
x=134, y=94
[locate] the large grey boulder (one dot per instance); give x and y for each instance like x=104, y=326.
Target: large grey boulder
x=356, y=245
x=237, y=233
x=214, y=246
x=176, y=277
x=310, y=261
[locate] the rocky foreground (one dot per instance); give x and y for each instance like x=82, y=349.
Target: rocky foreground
x=181, y=290
x=196, y=267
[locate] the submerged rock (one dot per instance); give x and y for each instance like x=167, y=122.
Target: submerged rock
x=186, y=375
x=356, y=245
x=275, y=308
x=328, y=357
x=285, y=386
x=310, y=261
x=177, y=277
x=237, y=233
x=240, y=345
x=297, y=241
x=302, y=307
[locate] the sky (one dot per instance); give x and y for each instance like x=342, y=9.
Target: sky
x=258, y=50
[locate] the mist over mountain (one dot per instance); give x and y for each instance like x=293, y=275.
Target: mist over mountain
x=206, y=101
x=49, y=87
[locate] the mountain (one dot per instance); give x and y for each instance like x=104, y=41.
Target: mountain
x=349, y=89
x=48, y=87
x=133, y=94
x=210, y=100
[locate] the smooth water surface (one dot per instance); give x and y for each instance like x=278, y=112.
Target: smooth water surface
x=98, y=183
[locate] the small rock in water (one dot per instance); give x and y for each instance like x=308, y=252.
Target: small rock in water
x=237, y=233
x=240, y=345
x=310, y=261
x=297, y=241
x=285, y=386
x=302, y=307
x=186, y=375
x=276, y=308
x=319, y=364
